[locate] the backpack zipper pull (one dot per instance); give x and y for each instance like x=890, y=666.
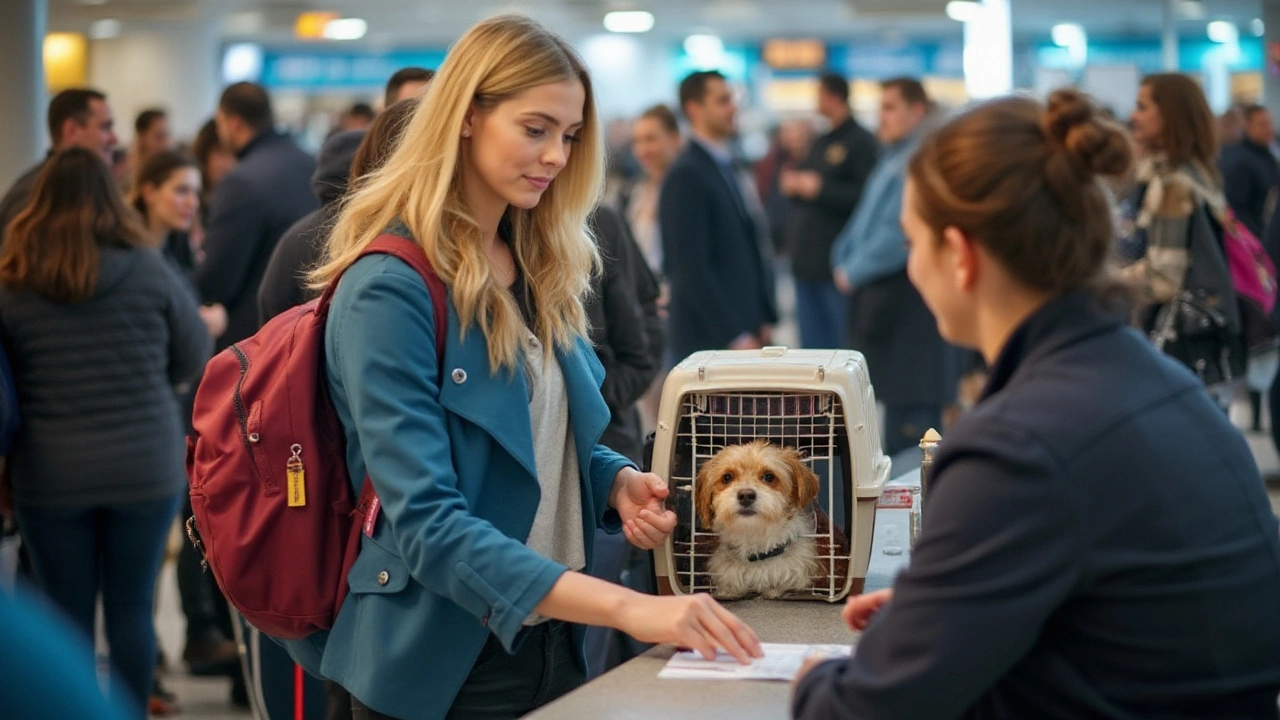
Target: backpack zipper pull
x=297, y=478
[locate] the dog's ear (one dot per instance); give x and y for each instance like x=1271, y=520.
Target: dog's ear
x=704, y=493
x=804, y=485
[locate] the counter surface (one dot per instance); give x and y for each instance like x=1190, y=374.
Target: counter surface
x=633, y=690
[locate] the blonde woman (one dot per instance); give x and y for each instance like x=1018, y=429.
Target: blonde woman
x=490, y=478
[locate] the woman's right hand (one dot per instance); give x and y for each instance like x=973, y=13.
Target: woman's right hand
x=859, y=610
x=694, y=621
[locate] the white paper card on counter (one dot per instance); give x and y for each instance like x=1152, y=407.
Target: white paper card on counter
x=781, y=661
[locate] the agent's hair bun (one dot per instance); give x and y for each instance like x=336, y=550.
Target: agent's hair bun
x=1092, y=143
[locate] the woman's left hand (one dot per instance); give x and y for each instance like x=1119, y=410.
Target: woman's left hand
x=638, y=499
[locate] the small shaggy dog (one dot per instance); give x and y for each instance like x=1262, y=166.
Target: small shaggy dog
x=756, y=497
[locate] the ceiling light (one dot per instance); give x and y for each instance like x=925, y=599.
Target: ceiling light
x=1191, y=9
x=105, y=29
x=1072, y=37
x=242, y=61
x=628, y=21
x=345, y=29
x=964, y=10
x=706, y=51
x=1258, y=27
x=1068, y=34
x=1222, y=31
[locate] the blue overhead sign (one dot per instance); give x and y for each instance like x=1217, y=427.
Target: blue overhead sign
x=1148, y=55
x=880, y=61
x=316, y=70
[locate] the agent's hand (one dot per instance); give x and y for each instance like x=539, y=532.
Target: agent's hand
x=859, y=610
x=809, y=664
x=638, y=499
x=697, y=622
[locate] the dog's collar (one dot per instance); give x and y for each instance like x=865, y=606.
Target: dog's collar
x=757, y=557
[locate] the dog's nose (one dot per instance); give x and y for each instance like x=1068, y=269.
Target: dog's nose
x=746, y=497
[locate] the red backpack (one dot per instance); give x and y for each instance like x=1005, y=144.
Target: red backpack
x=274, y=513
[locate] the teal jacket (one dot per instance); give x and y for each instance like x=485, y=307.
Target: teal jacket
x=451, y=457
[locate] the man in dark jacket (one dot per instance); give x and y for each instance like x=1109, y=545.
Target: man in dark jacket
x=1250, y=174
x=269, y=190
x=79, y=117
x=713, y=237
x=824, y=192
x=283, y=285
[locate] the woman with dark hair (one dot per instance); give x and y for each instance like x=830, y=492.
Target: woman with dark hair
x=1097, y=541
x=100, y=330
x=167, y=196
x=1182, y=272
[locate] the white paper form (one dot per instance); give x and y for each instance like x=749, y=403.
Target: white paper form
x=781, y=661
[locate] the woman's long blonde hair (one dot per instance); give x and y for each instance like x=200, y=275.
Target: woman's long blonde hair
x=420, y=186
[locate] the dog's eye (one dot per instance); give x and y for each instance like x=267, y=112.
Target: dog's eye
x=726, y=478
x=768, y=477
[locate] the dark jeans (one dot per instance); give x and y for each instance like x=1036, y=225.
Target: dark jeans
x=822, y=313
x=509, y=686
x=78, y=552
x=904, y=425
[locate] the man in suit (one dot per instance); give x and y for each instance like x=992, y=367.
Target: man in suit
x=824, y=191
x=79, y=117
x=713, y=237
x=268, y=191
x=914, y=372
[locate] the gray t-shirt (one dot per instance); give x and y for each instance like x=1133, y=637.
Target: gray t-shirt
x=557, y=527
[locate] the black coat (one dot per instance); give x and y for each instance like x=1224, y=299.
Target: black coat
x=1096, y=543
x=844, y=158
x=267, y=191
x=713, y=257
x=625, y=329
x=907, y=359
x=1250, y=175
x=284, y=282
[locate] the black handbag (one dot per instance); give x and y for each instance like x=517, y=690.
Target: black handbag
x=1201, y=326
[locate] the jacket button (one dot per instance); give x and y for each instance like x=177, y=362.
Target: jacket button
x=459, y=376
x=384, y=577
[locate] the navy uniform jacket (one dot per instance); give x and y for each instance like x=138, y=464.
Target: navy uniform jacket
x=721, y=286
x=1097, y=543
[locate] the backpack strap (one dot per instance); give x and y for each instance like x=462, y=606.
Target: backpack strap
x=412, y=254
